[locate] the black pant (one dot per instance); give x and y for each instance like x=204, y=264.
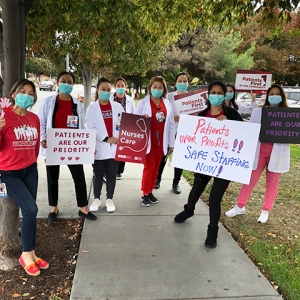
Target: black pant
x=217, y=191
x=79, y=181
x=177, y=172
x=108, y=167
x=121, y=167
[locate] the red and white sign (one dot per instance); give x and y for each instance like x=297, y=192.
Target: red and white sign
x=133, y=138
x=70, y=146
x=191, y=103
x=248, y=80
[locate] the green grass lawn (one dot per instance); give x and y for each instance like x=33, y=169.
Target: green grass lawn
x=275, y=246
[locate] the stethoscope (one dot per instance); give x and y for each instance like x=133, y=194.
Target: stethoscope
x=142, y=130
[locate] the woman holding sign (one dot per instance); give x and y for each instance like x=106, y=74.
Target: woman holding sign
x=162, y=138
x=19, y=149
x=128, y=106
x=104, y=115
x=218, y=110
x=273, y=157
x=181, y=83
x=63, y=111
x=230, y=101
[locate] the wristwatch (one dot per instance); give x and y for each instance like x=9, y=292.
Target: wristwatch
x=106, y=139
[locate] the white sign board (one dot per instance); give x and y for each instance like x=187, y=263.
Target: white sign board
x=191, y=103
x=70, y=146
x=247, y=80
x=223, y=149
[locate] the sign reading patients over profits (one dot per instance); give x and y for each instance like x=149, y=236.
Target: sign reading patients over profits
x=191, y=103
x=255, y=81
x=70, y=146
x=133, y=138
x=280, y=125
x=223, y=149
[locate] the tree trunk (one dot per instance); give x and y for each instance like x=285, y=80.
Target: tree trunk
x=1, y=56
x=9, y=238
x=22, y=37
x=87, y=82
x=11, y=44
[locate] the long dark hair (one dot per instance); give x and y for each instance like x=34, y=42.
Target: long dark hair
x=283, y=103
x=211, y=85
x=102, y=79
x=234, y=104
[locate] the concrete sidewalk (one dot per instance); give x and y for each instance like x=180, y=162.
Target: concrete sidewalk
x=140, y=253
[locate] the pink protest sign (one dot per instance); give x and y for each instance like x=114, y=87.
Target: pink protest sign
x=216, y=148
x=133, y=138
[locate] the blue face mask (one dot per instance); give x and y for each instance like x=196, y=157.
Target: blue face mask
x=157, y=93
x=182, y=86
x=104, y=96
x=229, y=96
x=65, y=88
x=120, y=91
x=24, y=101
x=275, y=100
x=215, y=100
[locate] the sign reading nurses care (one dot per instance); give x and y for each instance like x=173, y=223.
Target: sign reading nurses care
x=255, y=81
x=133, y=138
x=70, y=146
x=216, y=148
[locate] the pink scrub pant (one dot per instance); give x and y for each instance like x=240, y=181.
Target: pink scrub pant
x=272, y=180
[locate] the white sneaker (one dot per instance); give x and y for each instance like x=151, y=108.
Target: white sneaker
x=263, y=218
x=110, y=207
x=95, y=205
x=235, y=211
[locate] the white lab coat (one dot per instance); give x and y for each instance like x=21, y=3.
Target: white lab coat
x=130, y=105
x=144, y=108
x=244, y=109
x=46, y=114
x=280, y=155
x=94, y=120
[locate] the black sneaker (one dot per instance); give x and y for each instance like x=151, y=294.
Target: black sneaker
x=176, y=189
x=181, y=217
x=118, y=176
x=152, y=199
x=145, y=200
x=157, y=184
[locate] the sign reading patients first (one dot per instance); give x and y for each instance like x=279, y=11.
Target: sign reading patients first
x=216, y=148
x=256, y=81
x=70, y=146
x=280, y=125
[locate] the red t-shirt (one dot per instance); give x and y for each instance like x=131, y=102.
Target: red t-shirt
x=157, y=128
x=64, y=110
x=209, y=115
x=19, y=141
x=107, y=114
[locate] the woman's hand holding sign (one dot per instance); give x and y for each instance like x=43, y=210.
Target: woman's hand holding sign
x=2, y=122
x=44, y=143
x=112, y=140
x=221, y=118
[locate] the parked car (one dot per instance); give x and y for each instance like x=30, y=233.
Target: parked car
x=246, y=98
x=47, y=85
x=293, y=97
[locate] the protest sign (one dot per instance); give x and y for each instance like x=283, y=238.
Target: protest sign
x=70, y=146
x=280, y=125
x=191, y=103
x=255, y=81
x=216, y=148
x=133, y=138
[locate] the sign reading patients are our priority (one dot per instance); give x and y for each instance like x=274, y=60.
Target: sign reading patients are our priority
x=255, y=81
x=223, y=149
x=280, y=125
x=192, y=102
x=70, y=146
